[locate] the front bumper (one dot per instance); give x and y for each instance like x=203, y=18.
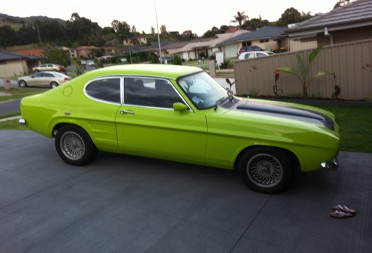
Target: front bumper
x=331, y=165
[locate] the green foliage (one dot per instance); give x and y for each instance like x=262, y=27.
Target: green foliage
x=56, y=55
x=304, y=69
x=292, y=16
x=176, y=60
x=226, y=64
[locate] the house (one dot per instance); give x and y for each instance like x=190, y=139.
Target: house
x=348, y=23
x=12, y=64
x=86, y=52
x=136, y=40
x=228, y=49
x=267, y=37
x=194, y=49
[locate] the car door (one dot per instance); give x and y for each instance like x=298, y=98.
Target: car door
x=105, y=100
x=36, y=78
x=45, y=79
x=148, y=125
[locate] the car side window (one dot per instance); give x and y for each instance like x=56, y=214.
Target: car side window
x=250, y=56
x=150, y=92
x=105, y=89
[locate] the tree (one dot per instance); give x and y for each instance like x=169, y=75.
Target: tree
x=121, y=28
x=290, y=16
x=8, y=36
x=163, y=30
x=240, y=18
x=341, y=3
x=304, y=70
x=255, y=23
x=57, y=55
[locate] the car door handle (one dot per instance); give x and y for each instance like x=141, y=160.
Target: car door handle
x=126, y=112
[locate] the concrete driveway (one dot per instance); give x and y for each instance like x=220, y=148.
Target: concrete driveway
x=129, y=204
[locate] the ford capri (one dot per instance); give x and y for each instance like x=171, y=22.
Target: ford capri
x=182, y=114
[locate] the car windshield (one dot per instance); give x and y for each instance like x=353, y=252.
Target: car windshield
x=202, y=90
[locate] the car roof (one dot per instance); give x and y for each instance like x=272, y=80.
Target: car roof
x=161, y=70
x=254, y=52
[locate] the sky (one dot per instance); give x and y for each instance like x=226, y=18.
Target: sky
x=196, y=15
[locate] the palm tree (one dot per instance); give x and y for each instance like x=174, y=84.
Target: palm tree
x=240, y=18
x=341, y=3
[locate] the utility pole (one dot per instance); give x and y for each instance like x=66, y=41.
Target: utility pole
x=157, y=26
x=38, y=32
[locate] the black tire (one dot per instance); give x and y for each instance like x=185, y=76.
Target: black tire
x=22, y=83
x=266, y=170
x=74, y=145
x=53, y=85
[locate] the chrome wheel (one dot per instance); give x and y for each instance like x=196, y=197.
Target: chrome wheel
x=264, y=170
x=72, y=145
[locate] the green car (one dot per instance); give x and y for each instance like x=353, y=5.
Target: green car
x=180, y=113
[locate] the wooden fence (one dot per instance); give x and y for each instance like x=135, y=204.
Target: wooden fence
x=349, y=66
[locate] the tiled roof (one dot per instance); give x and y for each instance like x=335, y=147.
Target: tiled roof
x=7, y=56
x=354, y=13
x=30, y=52
x=266, y=32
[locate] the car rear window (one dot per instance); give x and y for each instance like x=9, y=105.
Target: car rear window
x=105, y=89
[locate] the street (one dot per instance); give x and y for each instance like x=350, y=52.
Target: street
x=123, y=203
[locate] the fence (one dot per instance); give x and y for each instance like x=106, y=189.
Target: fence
x=349, y=66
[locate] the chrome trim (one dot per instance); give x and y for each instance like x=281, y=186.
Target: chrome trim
x=22, y=122
x=330, y=165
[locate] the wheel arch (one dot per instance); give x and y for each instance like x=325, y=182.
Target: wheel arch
x=292, y=156
x=59, y=125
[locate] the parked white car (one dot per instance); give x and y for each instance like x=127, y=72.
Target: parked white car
x=252, y=54
x=44, y=78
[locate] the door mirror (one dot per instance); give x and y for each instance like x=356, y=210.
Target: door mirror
x=180, y=107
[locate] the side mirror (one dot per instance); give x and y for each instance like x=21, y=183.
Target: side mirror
x=228, y=81
x=180, y=107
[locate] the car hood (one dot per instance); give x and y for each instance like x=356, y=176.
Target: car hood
x=286, y=110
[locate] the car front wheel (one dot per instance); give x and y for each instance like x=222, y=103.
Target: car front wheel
x=266, y=170
x=74, y=145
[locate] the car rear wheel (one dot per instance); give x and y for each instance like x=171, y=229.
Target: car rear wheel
x=266, y=170
x=54, y=85
x=22, y=83
x=74, y=145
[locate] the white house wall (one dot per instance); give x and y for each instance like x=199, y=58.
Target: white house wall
x=231, y=51
x=12, y=68
x=270, y=45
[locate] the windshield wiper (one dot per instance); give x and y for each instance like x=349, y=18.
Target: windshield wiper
x=220, y=101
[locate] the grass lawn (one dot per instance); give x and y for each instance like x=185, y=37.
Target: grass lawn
x=15, y=93
x=355, y=121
